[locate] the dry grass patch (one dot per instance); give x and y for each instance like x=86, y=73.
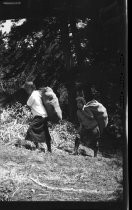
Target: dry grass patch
x=37, y=176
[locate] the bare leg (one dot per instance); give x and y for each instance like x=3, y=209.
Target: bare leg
x=96, y=140
x=47, y=137
x=95, y=151
x=77, y=143
x=96, y=148
x=39, y=147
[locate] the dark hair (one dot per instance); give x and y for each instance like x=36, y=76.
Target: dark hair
x=81, y=99
x=29, y=85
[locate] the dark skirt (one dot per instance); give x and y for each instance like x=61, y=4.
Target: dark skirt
x=37, y=130
x=90, y=137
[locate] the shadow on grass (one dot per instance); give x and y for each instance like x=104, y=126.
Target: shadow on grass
x=81, y=152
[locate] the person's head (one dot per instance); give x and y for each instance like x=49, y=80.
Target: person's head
x=80, y=102
x=29, y=87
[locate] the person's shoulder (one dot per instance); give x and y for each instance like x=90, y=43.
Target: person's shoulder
x=35, y=93
x=88, y=110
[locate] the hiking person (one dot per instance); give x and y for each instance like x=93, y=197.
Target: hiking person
x=38, y=130
x=88, y=130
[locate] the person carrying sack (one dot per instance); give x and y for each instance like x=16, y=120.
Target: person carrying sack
x=38, y=130
x=88, y=130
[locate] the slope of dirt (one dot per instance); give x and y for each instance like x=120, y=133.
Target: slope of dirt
x=27, y=175
x=31, y=175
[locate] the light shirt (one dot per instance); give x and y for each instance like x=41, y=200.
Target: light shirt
x=36, y=105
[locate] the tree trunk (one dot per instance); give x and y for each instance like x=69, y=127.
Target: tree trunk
x=72, y=102
x=76, y=41
x=69, y=73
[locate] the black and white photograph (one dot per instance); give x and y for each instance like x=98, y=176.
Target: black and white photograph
x=64, y=103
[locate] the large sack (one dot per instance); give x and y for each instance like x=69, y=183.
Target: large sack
x=51, y=104
x=99, y=112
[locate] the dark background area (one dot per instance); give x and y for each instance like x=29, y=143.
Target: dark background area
x=51, y=49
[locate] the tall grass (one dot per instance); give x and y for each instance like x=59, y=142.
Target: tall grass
x=15, y=120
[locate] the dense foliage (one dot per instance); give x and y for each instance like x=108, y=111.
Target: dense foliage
x=71, y=55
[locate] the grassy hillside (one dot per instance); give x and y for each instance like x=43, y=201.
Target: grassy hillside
x=27, y=174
